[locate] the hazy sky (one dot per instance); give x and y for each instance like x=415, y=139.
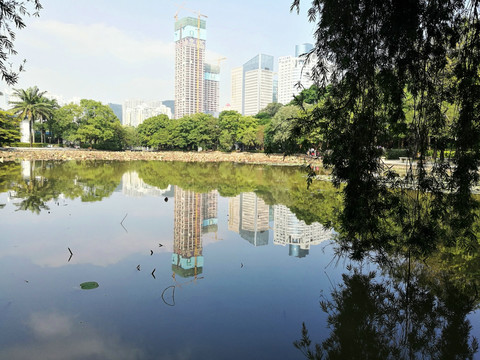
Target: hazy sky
x=113, y=50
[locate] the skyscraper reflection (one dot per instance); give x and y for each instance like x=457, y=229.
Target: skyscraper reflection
x=299, y=236
x=194, y=214
x=248, y=216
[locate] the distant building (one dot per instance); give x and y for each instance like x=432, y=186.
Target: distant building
x=170, y=104
x=136, y=112
x=190, y=39
x=303, y=49
x=117, y=110
x=294, y=73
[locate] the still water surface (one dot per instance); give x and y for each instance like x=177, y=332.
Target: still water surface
x=192, y=261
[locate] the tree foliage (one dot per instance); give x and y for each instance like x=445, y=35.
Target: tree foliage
x=398, y=66
x=9, y=128
x=12, y=13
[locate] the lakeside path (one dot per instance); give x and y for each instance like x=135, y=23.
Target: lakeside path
x=59, y=154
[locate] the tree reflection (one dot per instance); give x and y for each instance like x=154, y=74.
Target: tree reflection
x=414, y=314
x=39, y=182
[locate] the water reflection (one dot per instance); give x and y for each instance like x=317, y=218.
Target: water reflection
x=248, y=215
x=299, y=236
x=411, y=304
x=61, y=336
x=416, y=314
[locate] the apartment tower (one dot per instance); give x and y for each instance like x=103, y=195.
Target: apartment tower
x=190, y=38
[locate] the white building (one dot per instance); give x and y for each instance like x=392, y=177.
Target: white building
x=294, y=75
x=237, y=89
x=252, y=85
x=136, y=112
x=258, y=90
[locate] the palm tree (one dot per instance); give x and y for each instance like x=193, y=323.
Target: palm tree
x=32, y=105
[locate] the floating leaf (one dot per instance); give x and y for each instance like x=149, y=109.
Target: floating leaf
x=89, y=285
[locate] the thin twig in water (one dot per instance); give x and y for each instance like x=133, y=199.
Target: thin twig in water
x=121, y=223
x=173, y=295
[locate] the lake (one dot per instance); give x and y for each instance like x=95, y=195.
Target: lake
x=156, y=260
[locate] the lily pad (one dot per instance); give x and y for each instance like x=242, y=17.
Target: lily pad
x=89, y=285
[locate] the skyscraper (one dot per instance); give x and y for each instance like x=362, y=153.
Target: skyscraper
x=252, y=85
x=257, y=84
x=294, y=73
x=211, y=94
x=237, y=89
x=190, y=38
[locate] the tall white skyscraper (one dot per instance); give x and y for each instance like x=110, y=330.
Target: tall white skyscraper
x=294, y=74
x=237, y=89
x=252, y=85
x=258, y=90
x=190, y=38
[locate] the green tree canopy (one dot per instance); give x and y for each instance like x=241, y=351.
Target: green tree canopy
x=9, y=128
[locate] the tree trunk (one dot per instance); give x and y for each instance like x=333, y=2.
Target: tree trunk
x=32, y=132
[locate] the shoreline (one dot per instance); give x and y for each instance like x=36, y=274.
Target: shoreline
x=60, y=154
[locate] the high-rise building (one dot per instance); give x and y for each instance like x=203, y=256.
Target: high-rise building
x=257, y=84
x=294, y=73
x=237, y=89
x=303, y=49
x=211, y=96
x=253, y=85
x=190, y=38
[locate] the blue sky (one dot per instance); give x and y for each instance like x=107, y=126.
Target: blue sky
x=113, y=50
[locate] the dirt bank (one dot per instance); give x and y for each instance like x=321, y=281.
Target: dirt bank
x=214, y=156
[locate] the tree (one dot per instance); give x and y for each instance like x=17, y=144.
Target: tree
x=152, y=131
x=32, y=105
x=98, y=126
x=378, y=53
x=228, y=122
x=132, y=137
x=9, y=128
x=268, y=112
x=48, y=122
x=281, y=137
x=11, y=16
x=64, y=122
